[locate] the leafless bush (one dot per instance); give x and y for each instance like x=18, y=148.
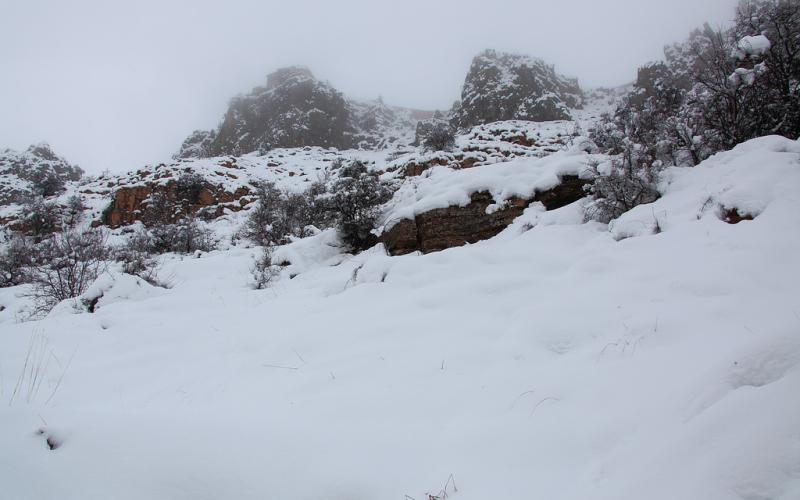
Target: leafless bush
x=46, y=182
x=188, y=188
x=15, y=261
x=74, y=210
x=278, y=216
x=159, y=210
x=440, y=137
x=40, y=217
x=141, y=264
x=66, y=264
x=188, y=235
x=617, y=192
x=264, y=271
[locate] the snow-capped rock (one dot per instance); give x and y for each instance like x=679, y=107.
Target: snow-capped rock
x=35, y=171
x=502, y=86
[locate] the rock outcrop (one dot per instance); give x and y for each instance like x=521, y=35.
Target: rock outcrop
x=129, y=204
x=501, y=86
x=295, y=109
x=455, y=226
x=380, y=126
x=37, y=171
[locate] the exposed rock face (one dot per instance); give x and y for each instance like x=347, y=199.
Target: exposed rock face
x=129, y=204
x=294, y=110
x=426, y=127
x=379, y=126
x=35, y=171
x=502, y=86
x=197, y=145
x=449, y=227
x=490, y=143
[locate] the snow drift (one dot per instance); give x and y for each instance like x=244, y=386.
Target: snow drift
x=556, y=360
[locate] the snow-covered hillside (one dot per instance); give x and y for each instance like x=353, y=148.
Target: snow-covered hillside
x=657, y=358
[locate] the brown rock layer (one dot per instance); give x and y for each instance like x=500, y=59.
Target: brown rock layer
x=129, y=203
x=455, y=226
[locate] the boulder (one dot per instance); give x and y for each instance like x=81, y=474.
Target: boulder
x=455, y=226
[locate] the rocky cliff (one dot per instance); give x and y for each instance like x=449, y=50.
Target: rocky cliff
x=501, y=86
x=294, y=109
x=37, y=171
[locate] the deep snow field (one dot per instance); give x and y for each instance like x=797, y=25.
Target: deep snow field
x=658, y=358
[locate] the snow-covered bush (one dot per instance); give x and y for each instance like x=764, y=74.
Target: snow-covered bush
x=46, y=182
x=356, y=199
x=277, y=216
x=139, y=263
x=617, y=191
x=264, y=271
x=188, y=235
x=66, y=264
x=440, y=137
x=159, y=210
x=188, y=188
x=15, y=261
x=716, y=89
x=40, y=217
x=74, y=210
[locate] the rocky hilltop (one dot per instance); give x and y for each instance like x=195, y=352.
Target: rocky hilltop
x=502, y=86
x=295, y=109
x=37, y=171
x=295, y=128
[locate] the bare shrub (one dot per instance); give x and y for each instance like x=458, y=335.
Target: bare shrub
x=46, y=182
x=66, y=264
x=264, y=271
x=188, y=188
x=188, y=235
x=159, y=210
x=74, y=210
x=278, y=216
x=15, y=260
x=714, y=90
x=439, y=137
x=40, y=217
x=139, y=263
x=618, y=191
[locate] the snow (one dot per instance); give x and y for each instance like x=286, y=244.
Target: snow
x=757, y=45
x=322, y=249
x=750, y=179
x=441, y=187
x=556, y=360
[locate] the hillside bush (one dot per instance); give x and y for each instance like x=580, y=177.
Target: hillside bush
x=66, y=264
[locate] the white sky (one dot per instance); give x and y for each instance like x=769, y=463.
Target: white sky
x=115, y=85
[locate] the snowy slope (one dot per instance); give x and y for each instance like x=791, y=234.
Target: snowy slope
x=556, y=360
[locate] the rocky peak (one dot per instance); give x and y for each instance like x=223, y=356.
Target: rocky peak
x=36, y=171
x=502, y=86
x=380, y=126
x=289, y=74
x=295, y=109
x=292, y=110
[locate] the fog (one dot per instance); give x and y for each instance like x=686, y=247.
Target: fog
x=116, y=85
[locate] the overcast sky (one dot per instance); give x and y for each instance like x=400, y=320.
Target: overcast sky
x=115, y=85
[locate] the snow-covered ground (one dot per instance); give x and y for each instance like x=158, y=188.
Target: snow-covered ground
x=558, y=360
